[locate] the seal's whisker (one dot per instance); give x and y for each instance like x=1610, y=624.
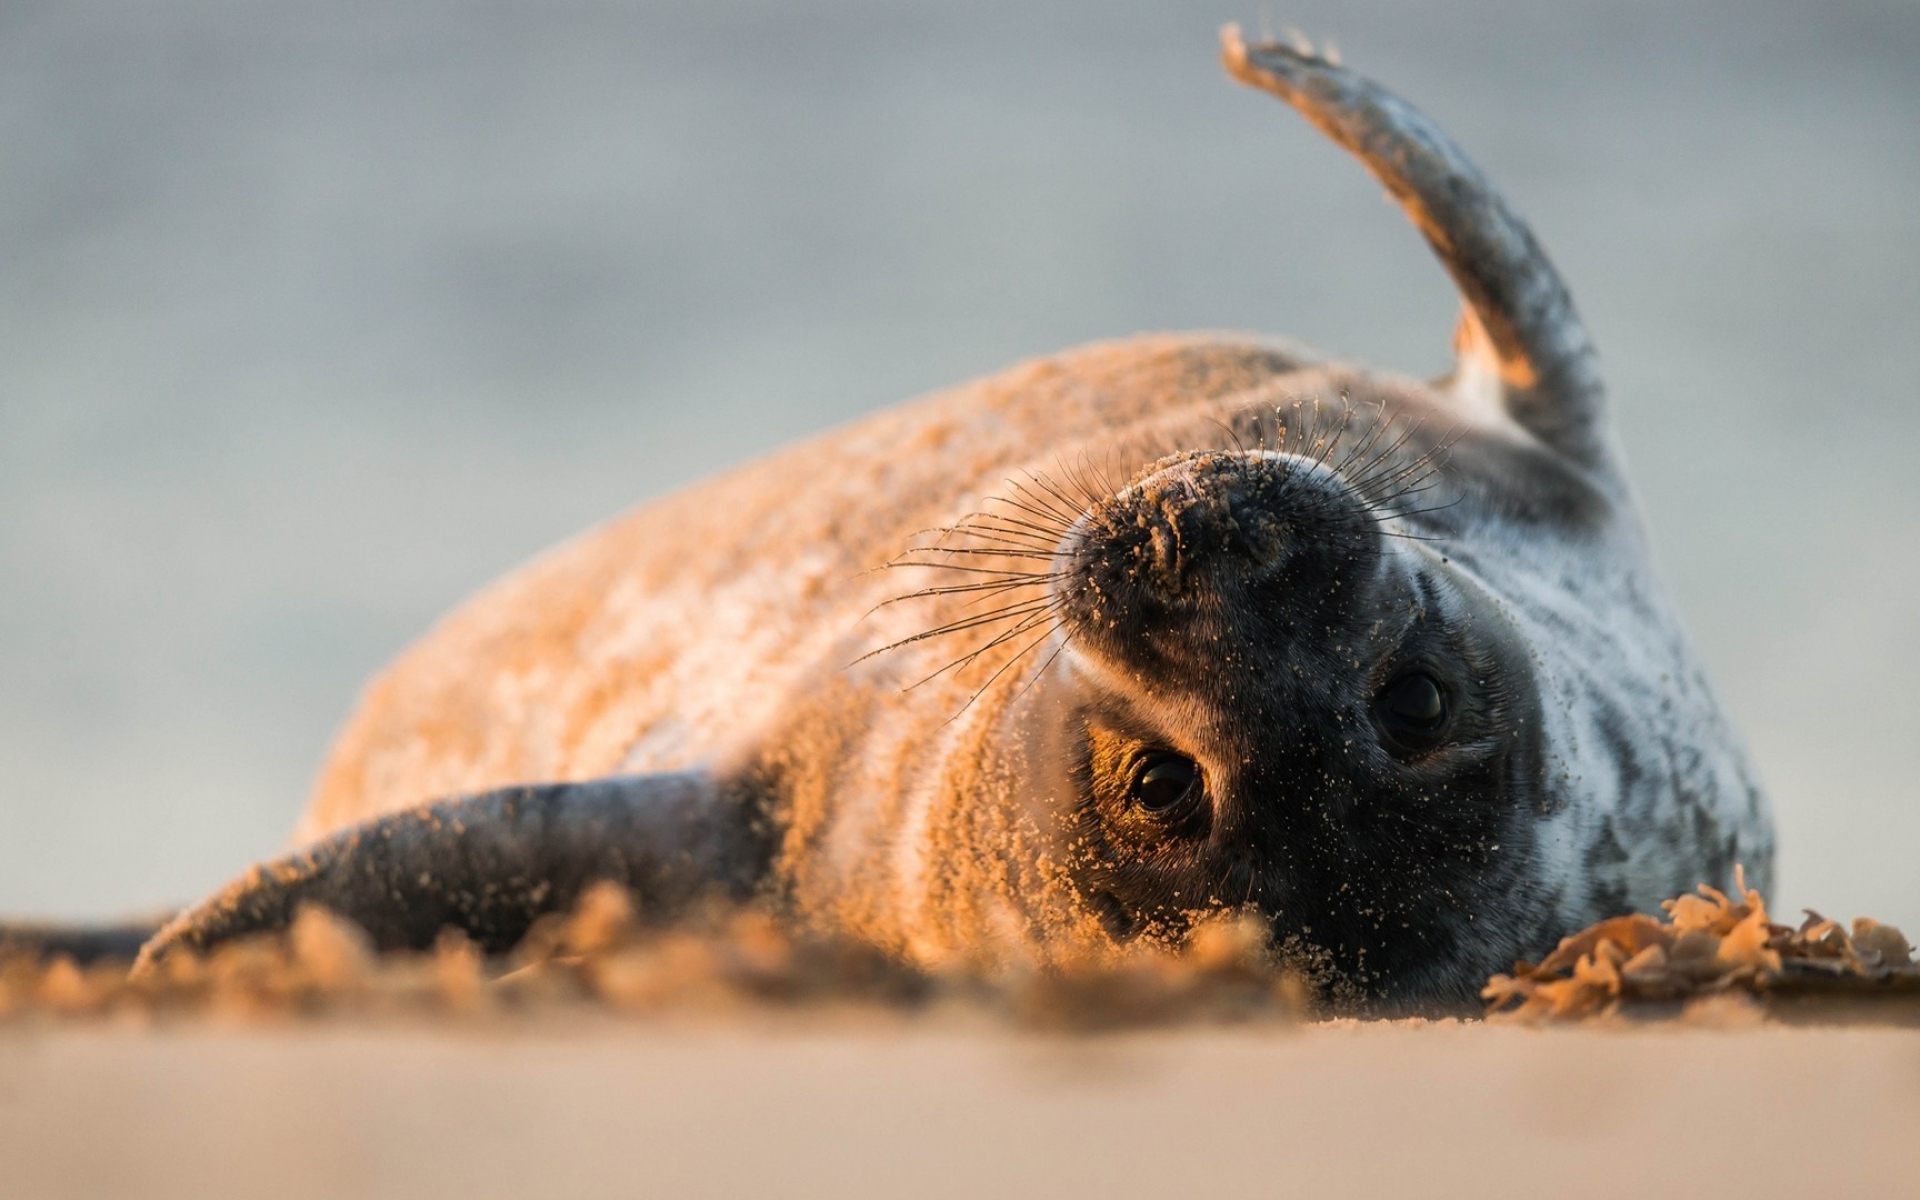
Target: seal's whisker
x=966, y=523
x=1373, y=447
x=1273, y=428
x=1011, y=612
x=1077, y=477
x=1045, y=515
x=1427, y=484
x=957, y=589
x=1370, y=476
x=1386, y=495
x=1047, y=487
x=1054, y=490
x=986, y=594
x=1297, y=435
x=1010, y=525
x=1321, y=438
x=1003, y=537
x=1415, y=537
x=926, y=566
x=1437, y=455
x=979, y=600
x=984, y=552
x=1004, y=668
x=1007, y=612
x=1357, y=450
x=1092, y=480
x=1115, y=471
x=1340, y=428
x=1027, y=503
x=1384, y=491
x=1024, y=502
x=1384, y=517
x=1396, y=507
x=1014, y=539
x=1068, y=509
x=1000, y=639
x=1227, y=429
x=1432, y=508
x=1383, y=474
x=1003, y=638
x=1377, y=459
x=1023, y=516
x=1041, y=506
x=1043, y=666
x=1383, y=498
x=941, y=531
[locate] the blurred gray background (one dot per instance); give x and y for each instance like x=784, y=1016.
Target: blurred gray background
x=315, y=318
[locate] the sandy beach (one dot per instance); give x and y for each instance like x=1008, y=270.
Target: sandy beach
x=638, y=1110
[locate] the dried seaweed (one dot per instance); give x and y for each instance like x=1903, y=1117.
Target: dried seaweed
x=1709, y=945
x=602, y=959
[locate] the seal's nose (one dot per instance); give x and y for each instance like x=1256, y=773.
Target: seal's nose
x=1213, y=534
x=1201, y=515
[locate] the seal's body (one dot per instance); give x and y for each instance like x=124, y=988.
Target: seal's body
x=1165, y=626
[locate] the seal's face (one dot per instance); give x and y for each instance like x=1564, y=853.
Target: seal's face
x=1282, y=700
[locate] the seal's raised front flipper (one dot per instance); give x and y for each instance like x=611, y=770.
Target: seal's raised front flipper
x=492, y=863
x=1519, y=336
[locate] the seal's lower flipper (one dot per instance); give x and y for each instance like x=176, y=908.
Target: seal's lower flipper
x=82, y=944
x=492, y=863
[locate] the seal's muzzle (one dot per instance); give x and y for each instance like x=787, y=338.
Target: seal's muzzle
x=1156, y=573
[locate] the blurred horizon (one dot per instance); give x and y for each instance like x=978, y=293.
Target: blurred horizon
x=317, y=320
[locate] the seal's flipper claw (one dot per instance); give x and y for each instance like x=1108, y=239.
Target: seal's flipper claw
x=492, y=863
x=1519, y=335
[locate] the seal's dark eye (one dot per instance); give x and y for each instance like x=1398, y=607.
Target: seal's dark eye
x=1413, y=711
x=1162, y=780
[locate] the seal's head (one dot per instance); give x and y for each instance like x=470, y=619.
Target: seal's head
x=1280, y=698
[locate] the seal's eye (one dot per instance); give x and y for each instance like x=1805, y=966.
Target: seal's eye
x=1162, y=780
x=1413, y=711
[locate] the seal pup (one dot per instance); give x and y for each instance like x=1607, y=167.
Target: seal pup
x=1051, y=664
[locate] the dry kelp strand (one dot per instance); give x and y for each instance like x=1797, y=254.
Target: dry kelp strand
x=1712, y=945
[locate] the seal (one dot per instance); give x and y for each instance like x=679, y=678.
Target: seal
x=1055, y=663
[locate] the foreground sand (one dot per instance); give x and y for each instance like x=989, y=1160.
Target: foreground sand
x=609, y=1109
